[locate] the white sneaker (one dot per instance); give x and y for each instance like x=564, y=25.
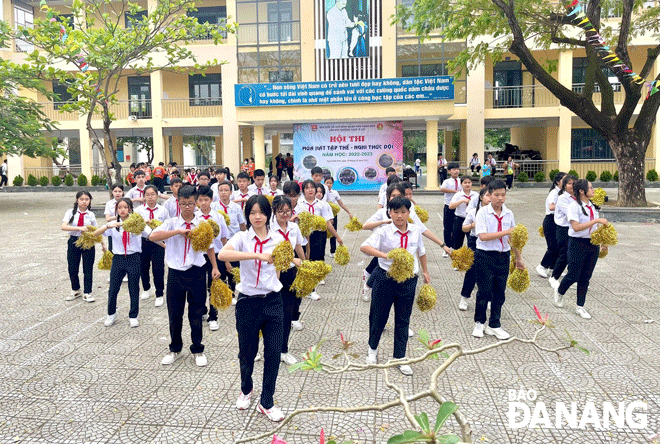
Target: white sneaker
x=159, y=301
x=499, y=333
x=554, y=283
x=372, y=356
x=582, y=312
x=314, y=296
x=110, y=320
x=125, y=279
x=243, y=401
x=445, y=254
x=213, y=325
x=366, y=293
x=559, y=298
x=406, y=370
x=233, y=301
x=200, y=360
x=411, y=333
x=170, y=358
x=455, y=269
x=322, y=282
x=88, y=298
x=463, y=305
x=332, y=254
x=205, y=317
x=296, y=325
x=145, y=294
x=541, y=271
x=74, y=295
x=273, y=413
x=478, y=331
x=258, y=357
x=288, y=358
x=108, y=278
x=133, y=322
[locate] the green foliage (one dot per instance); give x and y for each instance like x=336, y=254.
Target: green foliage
x=56, y=181
x=429, y=434
x=615, y=177
x=82, y=180
x=311, y=359
x=591, y=176
x=43, y=181
x=605, y=176
x=573, y=173
x=428, y=344
x=32, y=181
x=552, y=174
x=497, y=137
x=652, y=176
x=539, y=177
x=18, y=181
x=522, y=177
x=68, y=180
x=95, y=180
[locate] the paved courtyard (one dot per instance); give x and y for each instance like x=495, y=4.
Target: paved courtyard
x=65, y=378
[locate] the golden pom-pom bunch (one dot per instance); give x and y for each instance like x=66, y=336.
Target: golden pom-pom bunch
x=105, y=263
x=541, y=232
x=270, y=198
x=201, y=236
x=512, y=264
x=341, y=255
x=86, y=240
x=220, y=295
x=215, y=227
x=305, y=222
x=463, y=258
x=422, y=214
x=426, y=298
x=134, y=224
x=319, y=224
x=309, y=274
x=519, y=280
x=282, y=255
x=599, y=196
x=403, y=265
x=602, y=253
x=236, y=274
x=335, y=208
x=226, y=216
x=604, y=235
x=354, y=224
x=519, y=237
x=410, y=220
x=154, y=223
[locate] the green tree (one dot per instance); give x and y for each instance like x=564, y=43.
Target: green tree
x=523, y=26
x=413, y=142
x=100, y=52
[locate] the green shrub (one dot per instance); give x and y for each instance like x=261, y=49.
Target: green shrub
x=591, y=176
x=104, y=181
x=32, y=181
x=56, y=181
x=82, y=180
x=652, y=176
x=539, y=177
x=95, y=180
x=605, y=176
x=616, y=176
x=523, y=177
x=552, y=174
x=573, y=173
x=43, y=181
x=68, y=180
x=18, y=181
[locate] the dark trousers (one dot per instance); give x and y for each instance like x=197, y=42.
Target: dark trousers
x=509, y=181
x=477, y=167
x=562, y=252
x=448, y=223
x=122, y=266
x=254, y=314
x=187, y=285
x=290, y=305
x=387, y=292
x=470, y=279
x=457, y=235
x=550, y=233
x=279, y=173
x=492, y=270
x=582, y=258
x=153, y=255
x=4, y=180
x=290, y=173
x=333, y=240
x=159, y=183
x=73, y=258
x=317, y=242
x=443, y=174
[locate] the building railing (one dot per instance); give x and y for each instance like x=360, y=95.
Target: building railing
x=531, y=167
x=582, y=166
x=55, y=170
x=619, y=93
x=523, y=96
x=178, y=108
x=53, y=112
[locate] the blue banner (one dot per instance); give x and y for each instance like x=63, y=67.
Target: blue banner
x=406, y=89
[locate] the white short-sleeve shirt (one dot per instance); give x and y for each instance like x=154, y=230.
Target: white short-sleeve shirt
x=317, y=208
x=179, y=254
x=470, y=217
x=238, y=194
x=88, y=219
x=110, y=207
x=381, y=214
x=135, y=193
x=333, y=196
x=388, y=237
x=257, y=277
x=451, y=184
x=133, y=241
x=487, y=222
x=235, y=213
x=575, y=213
x=551, y=199
x=462, y=208
x=277, y=192
x=252, y=189
x=561, y=209
x=172, y=207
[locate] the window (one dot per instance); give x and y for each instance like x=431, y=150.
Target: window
x=580, y=70
x=214, y=15
x=23, y=18
x=280, y=76
x=588, y=144
x=279, y=22
x=134, y=19
x=139, y=97
x=62, y=93
x=424, y=70
x=204, y=90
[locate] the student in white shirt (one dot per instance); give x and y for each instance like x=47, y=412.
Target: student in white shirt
x=470, y=278
x=172, y=204
x=258, y=187
x=136, y=194
x=185, y=278
x=241, y=195
x=493, y=225
x=449, y=187
x=550, y=229
x=220, y=176
x=389, y=172
x=274, y=190
x=317, y=177
x=459, y=204
x=565, y=197
x=259, y=306
x=582, y=254
x=291, y=189
x=116, y=192
x=382, y=198
x=388, y=292
x=126, y=248
x=475, y=163
x=153, y=254
x=74, y=221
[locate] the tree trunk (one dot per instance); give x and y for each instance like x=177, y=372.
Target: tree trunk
x=630, y=161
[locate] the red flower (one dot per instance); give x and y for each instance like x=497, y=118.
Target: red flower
x=322, y=437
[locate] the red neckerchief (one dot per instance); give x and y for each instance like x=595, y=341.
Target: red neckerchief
x=286, y=235
x=404, y=239
x=260, y=191
x=273, y=193
x=141, y=191
x=224, y=207
x=499, y=228
x=243, y=196
x=311, y=207
x=467, y=197
x=125, y=240
x=259, y=244
x=186, y=242
x=456, y=183
x=591, y=215
x=151, y=212
x=81, y=218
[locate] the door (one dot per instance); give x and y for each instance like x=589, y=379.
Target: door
x=507, y=85
x=139, y=95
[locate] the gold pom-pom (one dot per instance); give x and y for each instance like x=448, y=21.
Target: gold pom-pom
x=604, y=235
x=86, y=240
x=236, y=274
x=519, y=280
x=602, y=253
x=270, y=198
x=134, y=224
x=201, y=237
x=403, y=265
x=426, y=298
x=599, y=196
x=282, y=255
x=309, y=274
x=221, y=295
x=335, y=208
x=105, y=263
x=354, y=224
x=154, y=223
x=319, y=224
x=341, y=255
x=305, y=222
x=215, y=227
x=512, y=264
x=541, y=232
x=422, y=214
x=519, y=237
x=226, y=216
x=463, y=258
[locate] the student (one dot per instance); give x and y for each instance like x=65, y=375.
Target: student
x=258, y=186
x=203, y=179
x=244, y=167
x=80, y=216
x=565, y=196
x=185, y=278
x=509, y=167
x=116, y=192
x=289, y=165
x=129, y=177
x=172, y=204
x=493, y=225
x=485, y=172
x=389, y=172
x=259, y=306
x=220, y=176
x=136, y=194
x=459, y=204
x=493, y=164
x=550, y=229
x=159, y=175
x=333, y=197
x=126, y=248
x=449, y=187
x=241, y=195
x=274, y=183
x=582, y=254
x=317, y=177
x=153, y=254
x=280, y=224
x=469, y=225
x=442, y=168
x=204, y=212
x=388, y=292
x=251, y=168
x=192, y=176
x=382, y=200
x=291, y=189
x=475, y=163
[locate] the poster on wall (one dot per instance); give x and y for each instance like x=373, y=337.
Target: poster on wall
x=356, y=155
x=346, y=29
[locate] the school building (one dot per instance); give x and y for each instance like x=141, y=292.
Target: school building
x=289, y=41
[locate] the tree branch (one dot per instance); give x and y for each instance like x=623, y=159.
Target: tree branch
x=624, y=32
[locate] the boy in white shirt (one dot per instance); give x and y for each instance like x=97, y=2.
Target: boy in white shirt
x=136, y=194
x=241, y=195
x=449, y=187
x=258, y=187
x=459, y=203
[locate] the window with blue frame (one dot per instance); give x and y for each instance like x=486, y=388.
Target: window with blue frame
x=586, y=143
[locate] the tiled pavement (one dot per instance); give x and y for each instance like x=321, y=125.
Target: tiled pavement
x=65, y=378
